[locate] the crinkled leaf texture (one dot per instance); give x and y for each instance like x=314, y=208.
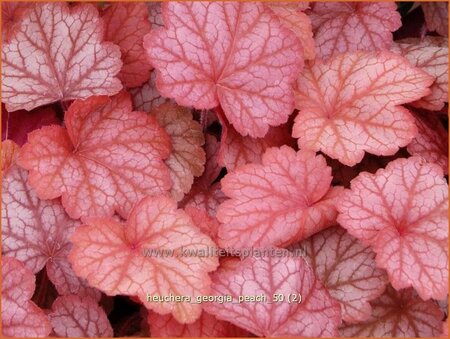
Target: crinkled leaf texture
x=399, y=314
x=436, y=16
x=110, y=255
x=353, y=26
x=147, y=97
x=187, y=158
x=318, y=315
x=57, y=54
x=208, y=326
x=431, y=55
x=350, y=105
x=74, y=316
x=348, y=271
x=106, y=159
x=20, y=316
x=37, y=232
x=401, y=212
x=284, y=199
x=126, y=24
x=234, y=54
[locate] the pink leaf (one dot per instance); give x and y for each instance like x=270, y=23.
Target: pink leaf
x=401, y=211
x=436, y=16
x=208, y=326
x=431, y=55
x=20, y=316
x=125, y=25
x=431, y=142
x=147, y=97
x=106, y=160
x=123, y=258
x=317, y=315
x=399, y=314
x=36, y=70
x=341, y=27
x=75, y=316
x=285, y=199
x=207, y=223
x=350, y=105
x=37, y=233
x=187, y=158
x=12, y=14
x=348, y=271
x=234, y=54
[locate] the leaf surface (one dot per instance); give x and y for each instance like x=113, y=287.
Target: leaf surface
x=341, y=27
x=10, y=150
x=126, y=24
x=110, y=255
x=234, y=54
x=284, y=199
x=20, y=316
x=107, y=159
x=147, y=97
x=12, y=14
x=401, y=212
x=75, y=316
x=57, y=54
x=318, y=315
x=436, y=17
x=350, y=105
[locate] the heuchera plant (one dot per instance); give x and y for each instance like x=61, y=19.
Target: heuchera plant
x=224, y=169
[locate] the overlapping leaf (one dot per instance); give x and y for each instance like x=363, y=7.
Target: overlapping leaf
x=107, y=159
x=316, y=316
x=146, y=256
x=350, y=105
x=436, y=16
x=12, y=13
x=57, y=54
x=234, y=54
x=401, y=212
x=285, y=199
x=147, y=97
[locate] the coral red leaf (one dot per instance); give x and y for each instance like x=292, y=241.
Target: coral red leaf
x=147, y=97
x=431, y=55
x=106, y=160
x=12, y=14
x=341, y=27
x=347, y=269
x=207, y=223
x=20, y=316
x=234, y=54
x=318, y=315
x=285, y=199
x=436, y=16
x=399, y=314
x=350, y=105
x=401, y=211
x=187, y=158
x=126, y=24
x=431, y=142
x=74, y=316
x=37, y=233
x=37, y=70
x=146, y=256
x=162, y=326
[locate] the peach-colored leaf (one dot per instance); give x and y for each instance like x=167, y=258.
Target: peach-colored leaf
x=234, y=54
x=431, y=55
x=57, y=54
x=147, y=97
x=347, y=269
x=126, y=24
x=187, y=158
x=399, y=314
x=136, y=258
x=341, y=27
x=436, y=17
x=401, y=212
x=208, y=326
x=37, y=233
x=284, y=199
x=74, y=316
x=431, y=142
x=207, y=223
x=318, y=315
x=20, y=316
x=350, y=105
x=10, y=150
x=106, y=160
